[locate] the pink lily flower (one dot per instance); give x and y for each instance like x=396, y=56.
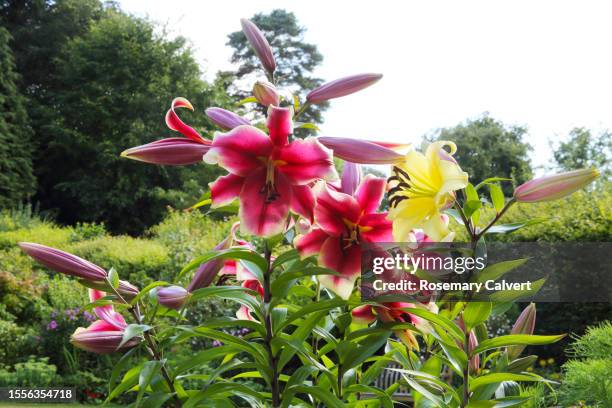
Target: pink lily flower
x=394, y=312
x=102, y=336
x=268, y=173
x=344, y=222
x=174, y=151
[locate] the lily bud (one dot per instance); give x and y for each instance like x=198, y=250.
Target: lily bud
x=173, y=297
x=260, y=45
x=225, y=119
x=101, y=338
x=127, y=289
x=525, y=324
x=474, y=364
x=63, y=262
x=207, y=272
x=351, y=177
x=170, y=152
x=361, y=151
x=342, y=87
x=265, y=93
x=555, y=186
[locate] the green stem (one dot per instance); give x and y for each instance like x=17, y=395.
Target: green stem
x=466, y=371
x=151, y=345
x=275, y=385
x=497, y=217
x=302, y=109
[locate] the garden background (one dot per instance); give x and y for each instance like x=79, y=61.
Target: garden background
x=82, y=81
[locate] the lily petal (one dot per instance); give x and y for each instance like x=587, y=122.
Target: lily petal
x=240, y=151
x=176, y=124
x=304, y=161
x=260, y=215
x=311, y=243
x=280, y=124
x=345, y=260
x=106, y=312
x=376, y=228
x=333, y=209
x=370, y=193
x=303, y=201
x=363, y=314
x=225, y=189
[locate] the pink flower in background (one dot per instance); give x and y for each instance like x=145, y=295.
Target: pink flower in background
x=269, y=174
x=344, y=222
x=249, y=281
x=394, y=312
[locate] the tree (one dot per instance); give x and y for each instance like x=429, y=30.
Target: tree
x=296, y=59
x=110, y=91
x=583, y=149
x=488, y=147
x=16, y=178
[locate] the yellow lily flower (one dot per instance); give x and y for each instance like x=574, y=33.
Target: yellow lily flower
x=422, y=186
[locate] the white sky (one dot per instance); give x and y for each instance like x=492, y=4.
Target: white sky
x=543, y=64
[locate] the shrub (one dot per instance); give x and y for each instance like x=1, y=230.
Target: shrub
x=588, y=377
x=87, y=230
x=138, y=260
x=12, y=340
x=35, y=372
x=44, y=233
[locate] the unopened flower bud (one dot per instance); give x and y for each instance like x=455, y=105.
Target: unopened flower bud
x=206, y=273
x=362, y=151
x=351, y=177
x=554, y=187
x=63, y=262
x=173, y=297
x=525, y=324
x=225, y=119
x=265, y=93
x=260, y=45
x=474, y=363
x=170, y=152
x=342, y=87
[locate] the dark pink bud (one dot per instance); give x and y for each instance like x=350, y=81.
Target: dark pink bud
x=63, y=262
x=173, y=297
x=225, y=119
x=342, y=87
x=260, y=45
x=207, y=272
x=525, y=324
x=361, y=151
x=127, y=289
x=171, y=152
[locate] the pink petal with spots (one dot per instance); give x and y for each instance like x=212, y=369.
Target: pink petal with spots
x=311, y=243
x=376, y=228
x=305, y=161
x=333, y=209
x=262, y=212
x=240, y=151
x=303, y=201
x=370, y=192
x=363, y=314
x=225, y=189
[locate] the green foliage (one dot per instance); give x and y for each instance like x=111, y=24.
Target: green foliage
x=486, y=146
x=35, y=372
x=16, y=177
x=84, y=230
x=136, y=260
x=582, y=149
x=12, y=341
x=295, y=59
x=588, y=377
